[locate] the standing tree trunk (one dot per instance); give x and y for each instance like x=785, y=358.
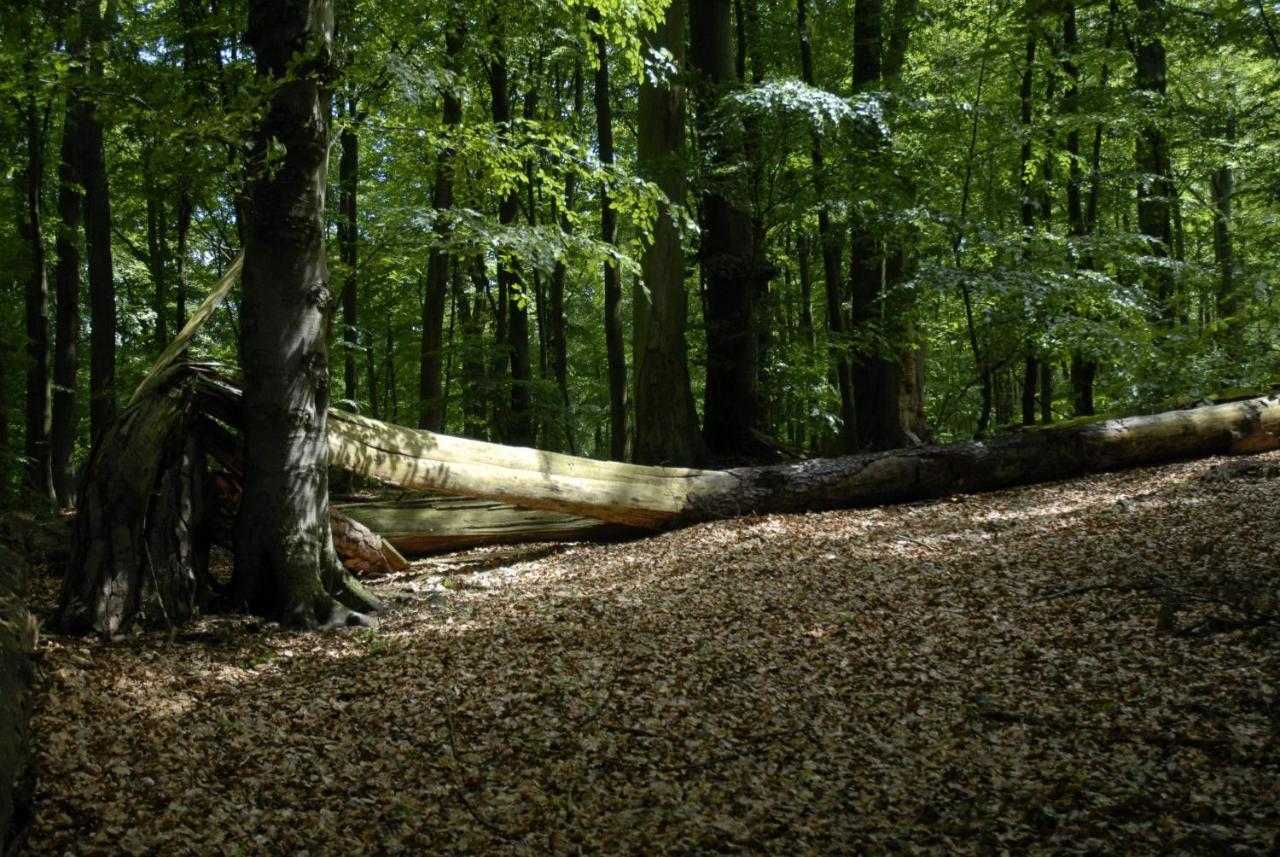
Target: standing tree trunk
x=888, y=401
x=829, y=238
x=556, y=335
x=666, y=419
x=727, y=251
x=97, y=229
x=430, y=389
x=349, y=252
x=1027, y=209
x=67, y=285
x=615, y=348
x=39, y=415
x=1222, y=189
x=1155, y=182
x=512, y=307
x=285, y=562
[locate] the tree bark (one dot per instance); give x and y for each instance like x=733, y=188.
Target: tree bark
x=516, y=424
x=349, y=251
x=39, y=414
x=1155, y=184
x=285, y=561
x=439, y=524
x=658, y=497
x=557, y=341
x=666, y=419
x=829, y=239
x=67, y=285
x=727, y=254
x=97, y=227
x=615, y=348
x=430, y=389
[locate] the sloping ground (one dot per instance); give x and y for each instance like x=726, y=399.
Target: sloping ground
x=1089, y=667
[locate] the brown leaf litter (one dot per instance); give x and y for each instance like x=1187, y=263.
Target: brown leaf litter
x=1091, y=666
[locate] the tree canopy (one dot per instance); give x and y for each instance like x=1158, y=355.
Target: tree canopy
x=880, y=223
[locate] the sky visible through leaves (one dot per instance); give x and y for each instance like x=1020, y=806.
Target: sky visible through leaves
x=1083, y=667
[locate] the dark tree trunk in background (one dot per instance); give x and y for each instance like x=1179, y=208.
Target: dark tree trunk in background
x=430, y=389
x=471, y=316
x=67, y=285
x=39, y=414
x=1222, y=188
x=1155, y=182
x=887, y=400
x=829, y=238
x=516, y=424
x=731, y=271
x=615, y=347
x=666, y=419
x=349, y=252
x=97, y=231
x=158, y=264
x=1083, y=366
x=1027, y=209
x=285, y=560
x=556, y=335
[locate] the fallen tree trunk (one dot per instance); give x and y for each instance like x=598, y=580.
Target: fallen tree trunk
x=438, y=524
x=657, y=497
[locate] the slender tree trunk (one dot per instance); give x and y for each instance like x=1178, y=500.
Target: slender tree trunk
x=471, y=316
x=430, y=389
x=666, y=419
x=559, y=356
x=1155, y=183
x=67, y=282
x=285, y=560
x=615, y=348
x=349, y=252
x=39, y=416
x=1028, y=213
x=1222, y=190
x=829, y=239
x=97, y=227
x=514, y=419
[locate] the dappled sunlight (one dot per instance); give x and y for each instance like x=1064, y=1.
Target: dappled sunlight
x=940, y=671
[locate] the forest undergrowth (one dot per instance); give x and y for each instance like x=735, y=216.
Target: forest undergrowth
x=1084, y=667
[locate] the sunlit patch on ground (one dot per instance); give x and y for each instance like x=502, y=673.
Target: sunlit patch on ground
x=1091, y=666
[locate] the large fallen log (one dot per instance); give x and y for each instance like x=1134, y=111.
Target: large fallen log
x=659, y=497
x=438, y=524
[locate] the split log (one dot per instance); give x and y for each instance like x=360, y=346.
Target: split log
x=363, y=551
x=658, y=497
x=136, y=550
x=438, y=524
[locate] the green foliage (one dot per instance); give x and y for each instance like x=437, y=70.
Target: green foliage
x=929, y=161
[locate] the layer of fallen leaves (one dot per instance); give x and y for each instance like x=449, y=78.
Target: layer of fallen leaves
x=1086, y=667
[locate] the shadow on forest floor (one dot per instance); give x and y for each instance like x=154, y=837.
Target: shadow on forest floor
x=1088, y=666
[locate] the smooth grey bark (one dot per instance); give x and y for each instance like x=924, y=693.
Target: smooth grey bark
x=615, y=346
x=666, y=419
x=285, y=563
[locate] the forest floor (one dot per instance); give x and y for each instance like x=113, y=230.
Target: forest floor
x=1091, y=666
